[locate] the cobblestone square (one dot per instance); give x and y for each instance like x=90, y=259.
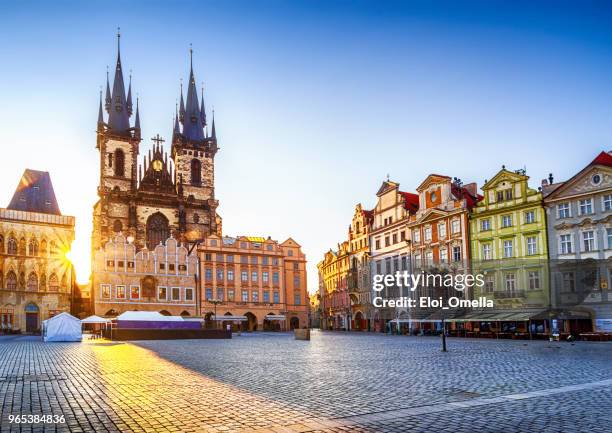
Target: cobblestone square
x=337, y=382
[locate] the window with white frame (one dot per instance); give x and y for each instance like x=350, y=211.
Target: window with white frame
x=529, y=217
x=510, y=281
x=428, y=233
x=588, y=241
x=565, y=243
x=607, y=202
x=162, y=293
x=416, y=235
x=105, y=291
x=176, y=293
x=120, y=292
x=609, y=237
x=456, y=254
x=534, y=280
x=585, y=206
x=443, y=255
x=485, y=224
x=569, y=282
x=134, y=292
x=417, y=261
x=429, y=258
x=486, y=252
x=188, y=294
x=489, y=283
x=508, y=249
x=563, y=210
x=455, y=226
x=532, y=246
x=507, y=221
x=442, y=230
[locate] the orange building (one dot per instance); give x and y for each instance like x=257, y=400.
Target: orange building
x=254, y=278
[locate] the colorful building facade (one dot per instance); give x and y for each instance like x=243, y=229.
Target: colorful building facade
x=359, y=284
x=335, y=302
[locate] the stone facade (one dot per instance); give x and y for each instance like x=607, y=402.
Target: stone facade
x=359, y=284
x=127, y=279
x=254, y=277
x=335, y=301
x=36, y=277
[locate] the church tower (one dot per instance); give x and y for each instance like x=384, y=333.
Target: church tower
x=193, y=150
x=118, y=143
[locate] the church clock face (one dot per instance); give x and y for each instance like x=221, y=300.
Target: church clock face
x=157, y=165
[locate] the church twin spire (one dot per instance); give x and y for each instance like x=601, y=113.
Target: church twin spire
x=191, y=114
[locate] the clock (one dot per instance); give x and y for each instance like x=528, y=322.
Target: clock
x=157, y=165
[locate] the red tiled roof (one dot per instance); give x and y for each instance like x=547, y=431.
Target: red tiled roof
x=604, y=158
x=461, y=192
x=411, y=201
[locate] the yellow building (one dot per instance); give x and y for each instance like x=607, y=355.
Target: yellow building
x=36, y=278
x=335, y=302
x=256, y=278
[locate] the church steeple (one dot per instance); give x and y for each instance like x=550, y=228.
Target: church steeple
x=100, y=114
x=137, y=121
x=119, y=111
x=191, y=115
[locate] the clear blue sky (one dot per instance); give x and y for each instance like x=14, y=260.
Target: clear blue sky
x=316, y=101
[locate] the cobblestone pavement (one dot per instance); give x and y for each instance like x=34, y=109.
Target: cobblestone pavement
x=337, y=382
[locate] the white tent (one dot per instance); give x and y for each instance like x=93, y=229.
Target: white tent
x=94, y=319
x=63, y=327
x=148, y=316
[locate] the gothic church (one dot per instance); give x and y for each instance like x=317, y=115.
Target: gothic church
x=163, y=196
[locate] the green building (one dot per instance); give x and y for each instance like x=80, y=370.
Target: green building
x=509, y=246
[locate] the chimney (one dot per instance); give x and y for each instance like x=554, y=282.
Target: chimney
x=472, y=188
x=550, y=178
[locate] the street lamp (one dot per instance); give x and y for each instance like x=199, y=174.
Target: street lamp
x=215, y=302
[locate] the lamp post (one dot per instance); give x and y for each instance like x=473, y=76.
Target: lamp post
x=215, y=302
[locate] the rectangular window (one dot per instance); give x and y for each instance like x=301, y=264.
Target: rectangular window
x=442, y=230
x=219, y=257
x=255, y=296
x=276, y=297
x=135, y=292
x=244, y=276
x=563, y=210
x=417, y=261
x=220, y=293
x=609, y=237
x=510, y=283
x=296, y=282
x=529, y=217
x=416, y=235
x=254, y=260
x=244, y=259
x=455, y=226
x=534, y=280
x=428, y=233
x=230, y=258
x=485, y=225
x=265, y=260
x=105, y=291
x=297, y=299
x=402, y=236
x=378, y=244
x=500, y=196
x=569, y=282
x=566, y=244
x=456, y=254
x=508, y=249
x=585, y=206
x=219, y=274
x=208, y=257
x=394, y=238
x=489, y=283
x=588, y=241
x=486, y=252
x=176, y=293
x=162, y=294
x=265, y=277
x=607, y=202
x=508, y=194
x=230, y=295
x=387, y=241
x=443, y=255
x=254, y=276
x=208, y=274
x=120, y=292
x=429, y=258
x=245, y=296
x=274, y=262
x=275, y=278
x=209, y=293
x=266, y=297
x=230, y=275
x=507, y=221
x=532, y=246
x=189, y=294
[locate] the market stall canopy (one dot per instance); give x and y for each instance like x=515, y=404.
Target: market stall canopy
x=95, y=319
x=148, y=316
x=63, y=327
x=230, y=318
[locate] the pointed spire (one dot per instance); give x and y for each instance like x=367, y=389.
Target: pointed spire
x=192, y=121
x=107, y=102
x=118, y=119
x=137, y=121
x=177, y=129
x=100, y=114
x=129, y=96
x=182, y=106
x=213, y=133
x=203, y=109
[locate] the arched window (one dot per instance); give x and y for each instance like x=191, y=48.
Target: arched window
x=22, y=282
x=157, y=230
x=22, y=246
x=12, y=246
x=11, y=281
x=41, y=282
x=64, y=282
x=1, y=245
x=33, y=282
x=33, y=247
x=196, y=172
x=52, y=248
x=43, y=248
x=119, y=163
x=53, y=283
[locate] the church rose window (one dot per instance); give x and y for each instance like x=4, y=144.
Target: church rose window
x=196, y=172
x=157, y=230
x=119, y=163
